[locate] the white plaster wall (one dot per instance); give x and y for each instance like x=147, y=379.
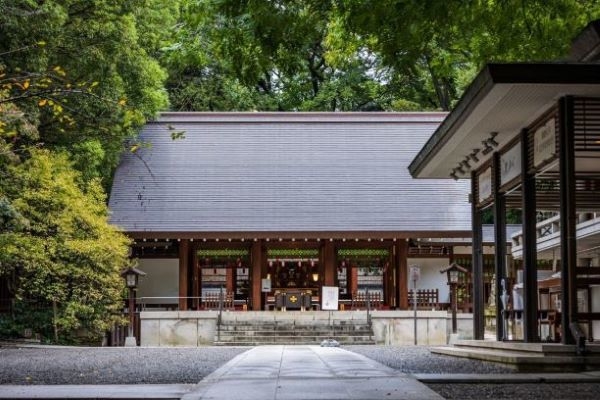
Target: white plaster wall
x=431, y=277
x=161, y=280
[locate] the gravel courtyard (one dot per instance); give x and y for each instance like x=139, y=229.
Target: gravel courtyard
x=78, y=365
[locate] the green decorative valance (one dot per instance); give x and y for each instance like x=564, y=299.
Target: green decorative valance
x=223, y=253
x=354, y=253
x=293, y=253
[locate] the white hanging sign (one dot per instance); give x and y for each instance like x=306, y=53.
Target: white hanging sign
x=544, y=142
x=485, y=184
x=510, y=164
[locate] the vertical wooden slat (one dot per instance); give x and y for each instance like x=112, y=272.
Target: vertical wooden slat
x=183, y=272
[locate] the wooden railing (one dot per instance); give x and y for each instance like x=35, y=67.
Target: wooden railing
x=360, y=300
x=427, y=299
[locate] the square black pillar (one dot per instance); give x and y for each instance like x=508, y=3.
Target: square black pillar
x=499, y=244
x=568, y=229
x=530, y=306
x=477, y=263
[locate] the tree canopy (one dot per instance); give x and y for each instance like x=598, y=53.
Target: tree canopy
x=355, y=55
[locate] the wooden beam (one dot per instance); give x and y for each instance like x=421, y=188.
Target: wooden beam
x=183, y=273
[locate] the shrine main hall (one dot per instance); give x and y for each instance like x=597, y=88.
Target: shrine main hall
x=259, y=204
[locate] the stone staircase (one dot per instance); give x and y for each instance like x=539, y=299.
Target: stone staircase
x=526, y=357
x=311, y=327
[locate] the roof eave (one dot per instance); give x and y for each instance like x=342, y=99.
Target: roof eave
x=484, y=83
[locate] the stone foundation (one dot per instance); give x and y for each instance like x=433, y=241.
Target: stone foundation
x=199, y=328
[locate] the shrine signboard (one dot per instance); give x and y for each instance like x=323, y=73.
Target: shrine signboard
x=330, y=298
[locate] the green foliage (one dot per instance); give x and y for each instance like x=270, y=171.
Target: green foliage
x=80, y=76
x=435, y=47
x=263, y=55
x=355, y=55
x=66, y=256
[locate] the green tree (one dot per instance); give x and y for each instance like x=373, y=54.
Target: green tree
x=77, y=79
x=62, y=256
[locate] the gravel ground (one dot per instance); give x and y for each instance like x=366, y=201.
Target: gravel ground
x=77, y=365
x=413, y=360
x=110, y=365
x=521, y=391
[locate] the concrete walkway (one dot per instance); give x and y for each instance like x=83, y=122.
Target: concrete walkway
x=307, y=372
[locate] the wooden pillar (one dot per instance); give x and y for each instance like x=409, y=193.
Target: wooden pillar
x=196, y=277
x=349, y=278
x=568, y=222
x=256, y=274
x=401, y=264
x=184, y=252
x=230, y=278
x=329, y=266
x=390, y=294
x=354, y=273
x=530, y=307
x=477, y=263
x=499, y=243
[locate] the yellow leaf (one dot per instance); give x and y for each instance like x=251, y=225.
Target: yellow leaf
x=122, y=102
x=42, y=102
x=41, y=43
x=26, y=84
x=94, y=84
x=134, y=148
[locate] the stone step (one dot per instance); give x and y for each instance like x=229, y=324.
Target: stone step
x=293, y=329
x=295, y=323
x=291, y=339
x=523, y=361
x=240, y=342
x=536, y=348
x=296, y=333
x=231, y=328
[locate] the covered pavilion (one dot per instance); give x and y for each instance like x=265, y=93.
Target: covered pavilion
x=528, y=137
